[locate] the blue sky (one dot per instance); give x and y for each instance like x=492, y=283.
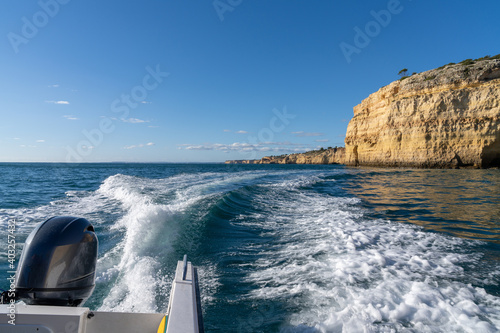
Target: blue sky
x=206, y=81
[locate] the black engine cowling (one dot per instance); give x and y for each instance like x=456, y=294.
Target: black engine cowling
x=58, y=262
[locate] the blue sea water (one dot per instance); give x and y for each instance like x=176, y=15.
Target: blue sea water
x=280, y=248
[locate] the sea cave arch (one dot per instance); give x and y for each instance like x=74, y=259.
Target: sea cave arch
x=490, y=156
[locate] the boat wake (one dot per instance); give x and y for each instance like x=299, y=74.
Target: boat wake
x=292, y=242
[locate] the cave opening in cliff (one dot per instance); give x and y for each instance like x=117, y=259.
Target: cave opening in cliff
x=490, y=157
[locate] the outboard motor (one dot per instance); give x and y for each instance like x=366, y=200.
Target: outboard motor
x=57, y=264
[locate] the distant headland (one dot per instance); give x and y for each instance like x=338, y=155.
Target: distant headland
x=448, y=117
x=322, y=156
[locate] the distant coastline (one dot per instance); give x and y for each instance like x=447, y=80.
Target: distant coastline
x=322, y=156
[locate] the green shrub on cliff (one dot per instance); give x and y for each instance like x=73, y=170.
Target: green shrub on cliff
x=467, y=62
x=488, y=57
x=483, y=58
x=451, y=63
x=403, y=73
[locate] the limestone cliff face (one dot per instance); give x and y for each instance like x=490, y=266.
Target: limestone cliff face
x=447, y=117
x=326, y=156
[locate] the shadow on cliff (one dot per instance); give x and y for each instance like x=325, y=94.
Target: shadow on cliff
x=490, y=156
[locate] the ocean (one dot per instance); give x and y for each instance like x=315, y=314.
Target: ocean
x=280, y=248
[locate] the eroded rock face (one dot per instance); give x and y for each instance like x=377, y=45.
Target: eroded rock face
x=447, y=117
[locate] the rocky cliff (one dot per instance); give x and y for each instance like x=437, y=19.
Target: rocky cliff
x=446, y=117
x=442, y=118
x=324, y=156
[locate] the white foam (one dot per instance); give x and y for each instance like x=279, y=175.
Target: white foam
x=141, y=219
x=149, y=229
x=347, y=273
x=150, y=223
x=300, y=180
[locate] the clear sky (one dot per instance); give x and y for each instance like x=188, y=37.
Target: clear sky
x=206, y=81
